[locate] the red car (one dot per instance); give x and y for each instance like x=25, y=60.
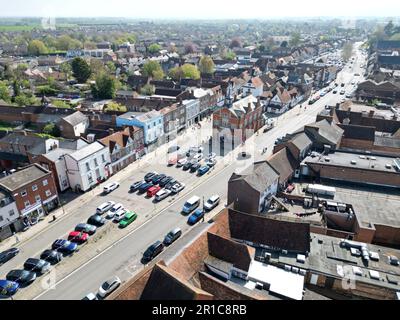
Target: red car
x=290, y=188
x=152, y=191
x=172, y=161
x=78, y=237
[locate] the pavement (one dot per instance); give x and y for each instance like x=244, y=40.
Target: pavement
x=113, y=251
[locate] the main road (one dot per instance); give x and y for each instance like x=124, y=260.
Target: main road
x=122, y=257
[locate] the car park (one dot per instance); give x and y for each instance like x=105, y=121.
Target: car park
x=190, y=205
x=114, y=209
x=162, y=194
x=152, y=191
x=96, y=220
x=135, y=186
x=212, y=203
x=196, y=217
x=110, y=187
x=87, y=228
x=182, y=162
x=8, y=254
x=172, y=236
x=37, y=265
x=149, y=176
x=8, y=288
x=178, y=187
x=129, y=218
x=195, y=167
x=51, y=256
x=165, y=181
x=144, y=187
x=103, y=208
x=154, y=250
x=156, y=179
x=23, y=277
x=64, y=246
x=109, y=286
x=203, y=170
x=119, y=215
x=78, y=237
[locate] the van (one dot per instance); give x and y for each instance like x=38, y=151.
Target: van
x=190, y=205
x=105, y=207
x=154, y=250
x=119, y=215
x=172, y=236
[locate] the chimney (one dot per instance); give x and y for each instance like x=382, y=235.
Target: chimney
x=371, y=113
x=110, y=131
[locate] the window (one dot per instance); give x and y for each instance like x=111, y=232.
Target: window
x=38, y=199
x=45, y=182
x=95, y=163
x=148, y=127
x=103, y=158
x=11, y=213
x=90, y=178
x=159, y=121
x=48, y=193
x=87, y=166
x=27, y=204
x=23, y=193
x=34, y=187
x=1, y=218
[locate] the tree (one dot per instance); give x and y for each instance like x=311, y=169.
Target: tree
x=111, y=67
x=105, y=87
x=26, y=100
x=147, y=90
x=295, y=39
x=235, y=43
x=389, y=29
x=4, y=92
x=175, y=73
x=153, y=69
x=206, y=65
x=65, y=43
x=52, y=130
x=190, y=48
x=154, y=48
x=81, y=70
x=113, y=106
x=190, y=71
x=347, y=51
x=66, y=68
x=97, y=66
x=229, y=55
x=36, y=48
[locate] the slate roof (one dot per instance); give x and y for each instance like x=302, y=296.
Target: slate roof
x=284, y=163
x=75, y=118
x=301, y=141
x=330, y=132
x=358, y=132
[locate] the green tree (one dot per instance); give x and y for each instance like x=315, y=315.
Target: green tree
x=154, y=48
x=36, y=48
x=295, y=39
x=81, y=70
x=206, y=65
x=235, y=43
x=113, y=106
x=111, y=67
x=52, y=130
x=4, y=92
x=147, y=90
x=105, y=87
x=229, y=55
x=65, y=43
x=61, y=104
x=190, y=71
x=66, y=68
x=97, y=66
x=175, y=73
x=26, y=100
x=389, y=29
x=153, y=69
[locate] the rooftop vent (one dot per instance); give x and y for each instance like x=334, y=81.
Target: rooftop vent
x=362, y=157
x=374, y=275
x=388, y=166
x=327, y=159
x=374, y=256
x=353, y=162
x=373, y=158
x=301, y=258
x=357, y=271
x=394, y=261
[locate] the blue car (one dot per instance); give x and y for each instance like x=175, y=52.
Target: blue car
x=144, y=187
x=64, y=246
x=196, y=217
x=203, y=170
x=8, y=288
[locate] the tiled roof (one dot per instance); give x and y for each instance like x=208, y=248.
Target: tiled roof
x=284, y=163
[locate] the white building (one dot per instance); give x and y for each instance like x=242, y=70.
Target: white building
x=87, y=166
x=9, y=215
x=192, y=111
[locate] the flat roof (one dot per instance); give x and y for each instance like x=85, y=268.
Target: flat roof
x=23, y=177
x=362, y=161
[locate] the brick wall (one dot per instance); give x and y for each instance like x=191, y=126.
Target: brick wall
x=387, y=235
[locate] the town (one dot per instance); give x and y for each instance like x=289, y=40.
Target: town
x=199, y=160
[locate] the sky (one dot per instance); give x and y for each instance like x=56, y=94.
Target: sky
x=201, y=9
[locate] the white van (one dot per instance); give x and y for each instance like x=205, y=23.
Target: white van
x=190, y=205
x=105, y=207
x=119, y=215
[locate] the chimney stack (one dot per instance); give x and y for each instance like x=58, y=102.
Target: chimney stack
x=371, y=113
x=110, y=131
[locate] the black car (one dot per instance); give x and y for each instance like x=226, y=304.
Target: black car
x=148, y=177
x=156, y=179
x=195, y=167
x=171, y=184
x=135, y=186
x=86, y=228
x=165, y=181
x=154, y=250
x=172, y=236
x=51, y=256
x=8, y=255
x=37, y=265
x=96, y=220
x=23, y=277
x=187, y=166
x=144, y=187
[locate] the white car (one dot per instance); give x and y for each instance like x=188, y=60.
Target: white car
x=212, y=203
x=109, y=286
x=119, y=215
x=162, y=194
x=182, y=162
x=103, y=208
x=111, y=187
x=212, y=155
x=178, y=187
x=90, y=296
x=211, y=162
x=114, y=210
x=198, y=157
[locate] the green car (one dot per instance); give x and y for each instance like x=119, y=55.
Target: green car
x=130, y=216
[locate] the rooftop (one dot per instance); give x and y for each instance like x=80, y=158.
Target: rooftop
x=23, y=177
x=87, y=151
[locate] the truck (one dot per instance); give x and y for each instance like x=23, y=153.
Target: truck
x=321, y=190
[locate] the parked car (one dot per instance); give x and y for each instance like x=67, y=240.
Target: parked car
x=78, y=237
x=96, y=220
x=162, y=194
x=87, y=228
x=178, y=187
x=196, y=217
x=51, y=256
x=156, y=179
x=135, y=186
x=195, y=167
x=150, y=176
x=154, y=250
x=119, y=215
x=109, y=286
x=144, y=187
x=212, y=203
x=152, y=191
x=23, y=277
x=342, y=92
x=172, y=236
x=212, y=155
x=110, y=187
x=165, y=181
x=334, y=91
x=198, y=156
x=188, y=165
x=311, y=101
x=181, y=162
x=114, y=210
x=203, y=170
x=90, y=296
x=8, y=288
x=173, y=149
x=190, y=205
x=64, y=246
x=105, y=207
x=129, y=217
x=37, y=265
x=8, y=254
x=171, y=184
x=211, y=162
